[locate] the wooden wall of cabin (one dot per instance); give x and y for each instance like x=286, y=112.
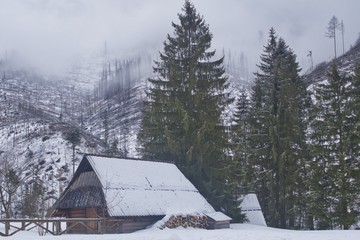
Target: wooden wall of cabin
x=111, y=225
x=76, y=213
x=130, y=224
x=83, y=213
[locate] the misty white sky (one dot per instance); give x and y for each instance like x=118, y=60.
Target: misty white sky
x=50, y=33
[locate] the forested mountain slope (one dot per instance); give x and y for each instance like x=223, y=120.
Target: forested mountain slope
x=100, y=98
x=346, y=63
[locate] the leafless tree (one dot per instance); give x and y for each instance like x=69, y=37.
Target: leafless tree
x=331, y=30
x=342, y=29
x=11, y=178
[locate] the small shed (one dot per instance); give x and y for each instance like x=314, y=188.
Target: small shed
x=217, y=220
x=127, y=194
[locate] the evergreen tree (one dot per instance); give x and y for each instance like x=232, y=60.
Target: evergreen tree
x=113, y=149
x=73, y=136
x=105, y=117
x=240, y=144
x=33, y=204
x=335, y=142
x=355, y=105
x=276, y=133
x=258, y=137
x=182, y=116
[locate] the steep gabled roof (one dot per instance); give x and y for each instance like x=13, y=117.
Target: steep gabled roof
x=251, y=207
x=142, y=188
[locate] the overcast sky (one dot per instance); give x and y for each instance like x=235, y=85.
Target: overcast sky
x=52, y=32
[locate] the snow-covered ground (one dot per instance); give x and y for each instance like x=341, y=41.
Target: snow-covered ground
x=237, y=231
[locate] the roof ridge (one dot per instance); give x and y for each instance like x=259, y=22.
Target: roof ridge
x=128, y=158
x=152, y=189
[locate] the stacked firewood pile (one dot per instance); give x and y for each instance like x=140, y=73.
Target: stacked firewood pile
x=195, y=221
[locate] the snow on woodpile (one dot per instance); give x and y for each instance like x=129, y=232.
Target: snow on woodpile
x=144, y=188
x=184, y=221
x=251, y=207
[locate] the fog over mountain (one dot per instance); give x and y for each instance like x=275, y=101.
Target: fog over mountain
x=51, y=34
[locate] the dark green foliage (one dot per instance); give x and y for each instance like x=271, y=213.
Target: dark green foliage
x=276, y=149
x=116, y=151
x=182, y=116
x=73, y=135
x=113, y=149
x=335, y=138
x=241, y=166
x=105, y=117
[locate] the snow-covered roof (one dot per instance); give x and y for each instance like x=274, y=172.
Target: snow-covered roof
x=250, y=202
x=218, y=216
x=251, y=207
x=142, y=188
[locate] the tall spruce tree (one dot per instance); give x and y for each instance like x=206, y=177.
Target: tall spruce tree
x=355, y=140
x=335, y=141
x=258, y=137
x=241, y=167
x=355, y=108
x=182, y=114
x=276, y=134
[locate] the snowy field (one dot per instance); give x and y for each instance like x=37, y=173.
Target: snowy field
x=237, y=231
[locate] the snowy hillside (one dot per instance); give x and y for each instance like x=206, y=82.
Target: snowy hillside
x=346, y=64
x=100, y=95
x=96, y=84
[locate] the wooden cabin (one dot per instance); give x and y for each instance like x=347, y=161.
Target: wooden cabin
x=125, y=195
